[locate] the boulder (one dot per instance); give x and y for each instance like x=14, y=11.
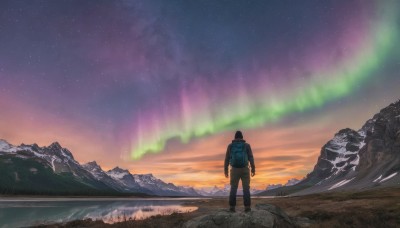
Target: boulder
x=262, y=215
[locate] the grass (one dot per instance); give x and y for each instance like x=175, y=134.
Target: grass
x=373, y=208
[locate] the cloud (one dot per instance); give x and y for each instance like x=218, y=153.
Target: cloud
x=216, y=157
x=284, y=158
x=277, y=169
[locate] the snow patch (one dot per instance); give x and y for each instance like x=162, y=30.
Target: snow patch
x=117, y=175
x=273, y=186
x=52, y=164
x=341, y=183
x=377, y=179
x=39, y=155
x=338, y=145
x=388, y=177
x=4, y=145
x=292, y=181
x=67, y=157
x=362, y=144
x=362, y=133
x=355, y=162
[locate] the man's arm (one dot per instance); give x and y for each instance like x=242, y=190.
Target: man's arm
x=226, y=164
x=251, y=159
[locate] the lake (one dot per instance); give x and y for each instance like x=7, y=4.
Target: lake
x=17, y=212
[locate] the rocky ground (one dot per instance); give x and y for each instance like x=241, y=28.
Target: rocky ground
x=374, y=208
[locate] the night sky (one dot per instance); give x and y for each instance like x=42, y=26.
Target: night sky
x=161, y=86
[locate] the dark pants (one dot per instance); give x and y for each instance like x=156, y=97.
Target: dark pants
x=236, y=175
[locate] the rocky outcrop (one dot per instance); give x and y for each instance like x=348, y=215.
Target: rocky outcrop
x=263, y=215
x=369, y=157
x=363, y=159
x=381, y=155
x=338, y=156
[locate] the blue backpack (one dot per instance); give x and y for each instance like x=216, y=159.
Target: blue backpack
x=238, y=155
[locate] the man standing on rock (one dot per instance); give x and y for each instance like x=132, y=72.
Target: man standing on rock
x=238, y=155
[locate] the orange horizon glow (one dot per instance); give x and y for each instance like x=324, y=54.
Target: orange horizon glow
x=157, y=87
x=281, y=151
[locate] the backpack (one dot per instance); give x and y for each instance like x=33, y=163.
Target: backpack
x=238, y=155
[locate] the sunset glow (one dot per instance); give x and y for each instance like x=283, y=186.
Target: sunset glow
x=161, y=86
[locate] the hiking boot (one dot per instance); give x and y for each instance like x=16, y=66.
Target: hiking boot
x=247, y=209
x=232, y=209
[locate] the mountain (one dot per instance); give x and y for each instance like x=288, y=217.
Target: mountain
x=354, y=160
x=124, y=178
x=159, y=187
x=52, y=170
x=215, y=191
x=292, y=181
x=273, y=186
x=112, y=182
x=189, y=190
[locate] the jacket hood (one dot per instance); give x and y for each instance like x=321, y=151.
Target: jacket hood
x=238, y=140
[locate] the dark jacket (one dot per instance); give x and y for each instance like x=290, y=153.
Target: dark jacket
x=249, y=155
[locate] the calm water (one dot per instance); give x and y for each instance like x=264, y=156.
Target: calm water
x=19, y=212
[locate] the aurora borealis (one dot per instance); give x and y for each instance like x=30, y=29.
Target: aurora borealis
x=197, y=116
x=161, y=86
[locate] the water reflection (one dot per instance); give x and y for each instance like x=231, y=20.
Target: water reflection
x=19, y=213
x=124, y=214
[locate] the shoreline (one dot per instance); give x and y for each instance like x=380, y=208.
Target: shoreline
x=95, y=197
x=89, y=199
x=350, y=208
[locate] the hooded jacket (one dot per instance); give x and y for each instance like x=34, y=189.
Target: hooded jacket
x=249, y=155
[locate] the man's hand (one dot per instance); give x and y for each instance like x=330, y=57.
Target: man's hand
x=253, y=173
x=226, y=174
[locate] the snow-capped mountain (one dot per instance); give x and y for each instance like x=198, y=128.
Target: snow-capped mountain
x=159, y=187
x=110, y=181
x=46, y=170
x=59, y=159
x=119, y=174
x=273, y=186
x=215, y=191
x=363, y=159
x=224, y=191
x=339, y=156
x=292, y=181
x=189, y=190
x=5, y=146
x=123, y=180
x=53, y=170
x=126, y=179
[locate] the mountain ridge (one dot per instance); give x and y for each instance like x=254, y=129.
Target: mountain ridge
x=57, y=165
x=363, y=159
x=351, y=160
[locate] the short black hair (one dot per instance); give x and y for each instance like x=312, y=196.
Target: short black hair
x=238, y=135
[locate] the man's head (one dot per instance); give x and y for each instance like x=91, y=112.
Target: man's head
x=238, y=135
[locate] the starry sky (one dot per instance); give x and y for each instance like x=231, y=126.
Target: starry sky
x=161, y=86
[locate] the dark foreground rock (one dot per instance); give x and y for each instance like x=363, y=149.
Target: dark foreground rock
x=263, y=215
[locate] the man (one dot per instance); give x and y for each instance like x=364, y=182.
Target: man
x=238, y=155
